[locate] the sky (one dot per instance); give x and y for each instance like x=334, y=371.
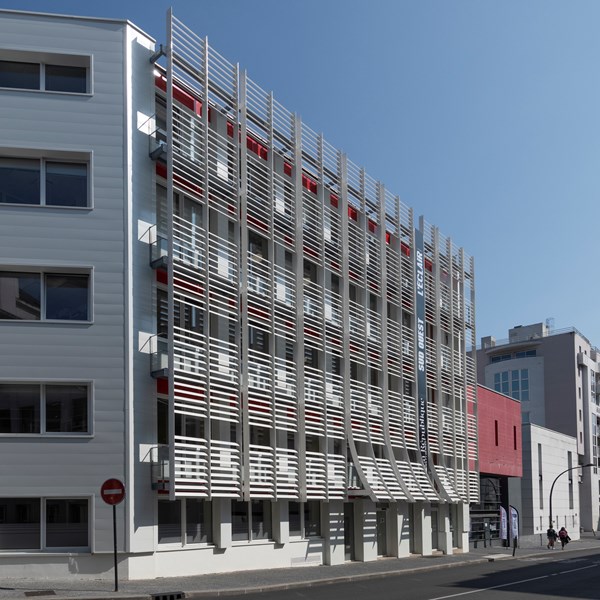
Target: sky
x=481, y=115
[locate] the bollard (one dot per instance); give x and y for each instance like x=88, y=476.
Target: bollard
x=514, y=545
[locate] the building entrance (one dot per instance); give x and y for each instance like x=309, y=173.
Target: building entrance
x=382, y=531
x=434, y=527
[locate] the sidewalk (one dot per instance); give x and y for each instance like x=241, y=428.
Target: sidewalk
x=272, y=579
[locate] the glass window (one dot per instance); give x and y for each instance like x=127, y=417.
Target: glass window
x=295, y=523
x=261, y=519
x=20, y=524
x=19, y=181
x=169, y=521
x=67, y=297
x=66, y=523
x=66, y=184
x=312, y=519
x=66, y=408
x=198, y=519
x=19, y=408
x=19, y=75
x=19, y=295
x=239, y=520
x=60, y=78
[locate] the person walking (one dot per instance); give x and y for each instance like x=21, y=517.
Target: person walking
x=563, y=535
x=552, y=535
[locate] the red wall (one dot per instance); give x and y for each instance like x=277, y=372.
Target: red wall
x=501, y=458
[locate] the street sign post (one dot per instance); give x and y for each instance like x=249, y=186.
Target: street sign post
x=113, y=493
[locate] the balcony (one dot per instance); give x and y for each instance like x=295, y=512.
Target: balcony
x=159, y=468
x=159, y=357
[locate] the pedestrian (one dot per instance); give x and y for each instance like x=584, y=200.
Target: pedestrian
x=563, y=535
x=552, y=535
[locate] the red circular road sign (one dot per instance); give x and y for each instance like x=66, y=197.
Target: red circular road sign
x=112, y=491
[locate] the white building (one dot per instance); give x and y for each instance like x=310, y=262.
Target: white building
x=219, y=309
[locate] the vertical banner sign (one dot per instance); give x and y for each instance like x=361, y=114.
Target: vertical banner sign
x=503, y=524
x=421, y=355
x=514, y=522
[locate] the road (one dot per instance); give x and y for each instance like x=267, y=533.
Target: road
x=575, y=575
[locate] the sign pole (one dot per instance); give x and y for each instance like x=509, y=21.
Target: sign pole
x=114, y=511
x=113, y=493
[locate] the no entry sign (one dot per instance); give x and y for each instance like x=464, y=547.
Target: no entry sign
x=112, y=491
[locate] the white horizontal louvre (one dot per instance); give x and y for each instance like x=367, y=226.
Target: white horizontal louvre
x=459, y=371
x=190, y=375
x=410, y=422
x=334, y=398
x=284, y=297
x=225, y=470
x=424, y=482
x=312, y=227
x=259, y=203
x=445, y=306
x=222, y=174
x=313, y=315
x=287, y=476
x=332, y=235
x=470, y=369
x=333, y=323
x=457, y=312
x=432, y=366
x=373, y=262
x=284, y=210
x=259, y=292
x=357, y=328
x=472, y=436
x=410, y=481
x=223, y=277
x=261, y=471
x=447, y=484
x=407, y=287
x=224, y=381
x=395, y=413
x=191, y=467
x=394, y=345
x=408, y=350
x=286, y=400
x=356, y=253
x=314, y=402
x=389, y=479
x=358, y=411
x=189, y=241
x=433, y=437
x=473, y=486
x=374, y=479
x=373, y=326
x=394, y=276
x=336, y=477
x=461, y=479
x=460, y=426
x=448, y=431
x=446, y=369
x=316, y=476
x=375, y=413
x=260, y=392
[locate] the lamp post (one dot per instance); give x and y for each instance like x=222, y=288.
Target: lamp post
x=556, y=479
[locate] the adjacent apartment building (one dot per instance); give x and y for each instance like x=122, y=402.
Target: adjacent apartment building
x=555, y=376
x=203, y=298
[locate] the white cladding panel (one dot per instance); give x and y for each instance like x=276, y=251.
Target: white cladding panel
x=96, y=238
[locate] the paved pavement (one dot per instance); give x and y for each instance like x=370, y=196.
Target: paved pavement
x=241, y=582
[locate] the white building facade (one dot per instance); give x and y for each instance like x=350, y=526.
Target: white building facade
x=200, y=297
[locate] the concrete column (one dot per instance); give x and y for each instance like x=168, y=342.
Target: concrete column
x=281, y=521
x=399, y=530
x=444, y=533
x=422, y=528
x=332, y=530
x=462, y=526
x=221, y=515
x=365, y=530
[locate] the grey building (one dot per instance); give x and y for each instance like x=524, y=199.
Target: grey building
x=555, y=376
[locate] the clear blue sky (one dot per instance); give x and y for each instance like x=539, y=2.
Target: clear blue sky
x=482, y=115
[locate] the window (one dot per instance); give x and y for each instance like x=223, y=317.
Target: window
x=514, y=383
x=44, y=296
x=44, y=72
x=251, y=520
x=44, y=523
x=52, y=408
x=312, y=519
x=44, y=182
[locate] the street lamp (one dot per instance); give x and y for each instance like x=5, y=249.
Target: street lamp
x=556, y=479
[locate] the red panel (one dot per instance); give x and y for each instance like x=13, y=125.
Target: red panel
x=353, y=213
x=333, y=199
x=428, y=265
x=229, y=129
x=162, y=386
x=405, y=249
x=161, y=276
x=372, y=226
x=287, y=169
x=161, y=170
x=501, y=459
